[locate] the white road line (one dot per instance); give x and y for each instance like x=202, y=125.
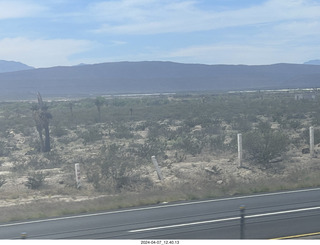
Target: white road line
x=283, y=212
x=185, y=224
x=224, y=219
x=158, y=207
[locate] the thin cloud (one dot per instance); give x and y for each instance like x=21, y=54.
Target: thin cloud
x=243, y=53
x=42, y=53
x=144, y=17
x=70, y=32
x=153, y=17
x=19, y=9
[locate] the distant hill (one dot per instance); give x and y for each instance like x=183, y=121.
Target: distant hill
x=154, y=76
x=10, y=66
x=312, y=62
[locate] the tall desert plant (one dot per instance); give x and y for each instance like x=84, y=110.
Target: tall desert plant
x=42, y=118
x=99, y=102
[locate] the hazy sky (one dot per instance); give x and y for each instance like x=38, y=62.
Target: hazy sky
x=68, y=32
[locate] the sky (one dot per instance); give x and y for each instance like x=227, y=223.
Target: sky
x=69, y=32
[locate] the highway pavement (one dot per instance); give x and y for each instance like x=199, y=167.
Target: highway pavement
x=280, y=215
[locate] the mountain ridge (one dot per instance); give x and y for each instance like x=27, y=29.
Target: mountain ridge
x=156, y=76
x=312, y=62
x=12, y=66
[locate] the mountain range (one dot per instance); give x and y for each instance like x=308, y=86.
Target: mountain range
x=153, y=77
x=10, y=66
x=312, y=62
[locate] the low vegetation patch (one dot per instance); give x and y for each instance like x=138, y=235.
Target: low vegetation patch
x=192, y=136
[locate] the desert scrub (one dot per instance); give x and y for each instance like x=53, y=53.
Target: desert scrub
x=122, y=132
x=193, y=124
x=35, y=180
x=2, y=180
x=91, y=135
x=59, y=131
x=4, y=149
x=151, y=147
x=264, y=144
x=189, y=144
x=114, y=170
x=216, y=143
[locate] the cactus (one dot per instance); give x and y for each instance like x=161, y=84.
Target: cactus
x=42, y=118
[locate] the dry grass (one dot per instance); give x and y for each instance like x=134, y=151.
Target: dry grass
x=54, y=206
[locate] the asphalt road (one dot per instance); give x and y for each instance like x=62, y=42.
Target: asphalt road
x=267, y=216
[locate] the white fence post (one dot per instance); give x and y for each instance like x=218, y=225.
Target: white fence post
x=239, y=137
x=311, y=132
x=154, y=160
x=78, y=176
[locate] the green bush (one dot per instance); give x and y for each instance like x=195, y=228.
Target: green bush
x=112, y=170
x=241, y=124
x=59, y=131
x=151, y=147
x=190, y=144
x=35, y=180
x=122, y=132
x=2, y=180
x=4, y=151
x=264, y=144
x=216, y=143
x=91, y=135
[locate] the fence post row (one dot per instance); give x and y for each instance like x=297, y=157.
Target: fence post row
x=239, y=137
x=78, y=176
x=311, y=133
x=155, y=162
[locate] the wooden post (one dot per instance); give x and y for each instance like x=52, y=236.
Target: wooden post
x=154, y=160
x=78, y=177
x=239, y=136
x=311, y=132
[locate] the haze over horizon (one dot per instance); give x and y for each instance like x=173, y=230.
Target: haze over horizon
x=251, y=32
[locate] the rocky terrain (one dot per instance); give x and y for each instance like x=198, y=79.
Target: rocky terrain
x=192, y=136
